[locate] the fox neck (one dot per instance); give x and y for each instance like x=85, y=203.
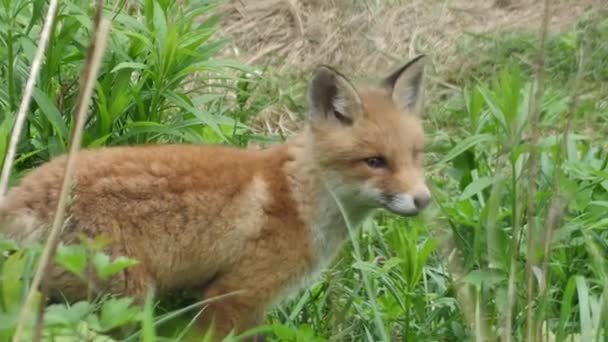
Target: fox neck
x=339, y=210
x=327, y=205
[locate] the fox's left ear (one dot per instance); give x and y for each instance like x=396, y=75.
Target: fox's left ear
x=406, y=85
x=333, y=97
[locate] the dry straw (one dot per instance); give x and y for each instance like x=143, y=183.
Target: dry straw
x=370, y=37
x=534, y=110
x=558, y=203
x=366, y=35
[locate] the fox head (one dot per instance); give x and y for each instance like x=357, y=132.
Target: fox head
x=370, y=141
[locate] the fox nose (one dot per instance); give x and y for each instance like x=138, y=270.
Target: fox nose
x=422, y=200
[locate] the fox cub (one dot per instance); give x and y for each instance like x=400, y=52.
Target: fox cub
x=220, y=220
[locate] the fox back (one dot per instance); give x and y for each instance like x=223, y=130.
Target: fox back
x=252, y=225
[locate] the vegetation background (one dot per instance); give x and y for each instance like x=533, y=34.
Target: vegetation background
x=516, y=242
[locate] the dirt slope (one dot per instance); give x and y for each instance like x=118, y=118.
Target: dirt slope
x=358, y=35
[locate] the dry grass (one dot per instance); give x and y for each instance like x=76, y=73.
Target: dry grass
x=365, y=38
x=373, y=35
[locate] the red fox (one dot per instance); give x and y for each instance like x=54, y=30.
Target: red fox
x=218, y=219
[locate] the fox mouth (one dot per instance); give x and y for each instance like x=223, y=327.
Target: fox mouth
x=402, y=204
x=401, y=212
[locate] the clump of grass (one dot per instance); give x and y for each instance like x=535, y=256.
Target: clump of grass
x=494, y=50
x=159, y=81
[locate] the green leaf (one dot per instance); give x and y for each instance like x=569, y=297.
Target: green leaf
x=60, y=314
x=147, y=320
x=106, y=268
x=141, y=127
x=584, y=308
x=73, y=258
x=486, y=277
x=129, y=65
x=391, y=263
x=206, y=118
x=496, y=246
x=284, y=332
x=160, y=24
x=52, y=114
x=476, y=187
x=117, y=312
x=12, y=284
x=494, y=107
x=5, y=132
x=366, y=266
x=149, y=13
x=566, y=308
x=466, y=144
x=7, y=245
x=8, y=321
x=425, y=251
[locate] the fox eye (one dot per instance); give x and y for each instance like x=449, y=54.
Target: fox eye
x=376, y=162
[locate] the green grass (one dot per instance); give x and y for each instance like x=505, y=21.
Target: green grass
x=441, y=277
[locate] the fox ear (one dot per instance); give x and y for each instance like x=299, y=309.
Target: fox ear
x=406, y=85
x=332, y=97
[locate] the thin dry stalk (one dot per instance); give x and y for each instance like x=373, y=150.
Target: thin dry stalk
x=558, y=202
x=44, y=288
x=507, y=334
x=532, y=171
x=296, y=16
x=39, y=327
x=465, y=296
x=27, y=97
x=88, y=81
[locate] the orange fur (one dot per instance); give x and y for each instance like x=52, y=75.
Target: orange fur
x=220, y=219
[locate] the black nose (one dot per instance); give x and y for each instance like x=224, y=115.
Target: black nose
x=421, y=201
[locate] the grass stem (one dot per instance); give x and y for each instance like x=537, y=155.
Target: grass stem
x=88, y=79
x=534, y=110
